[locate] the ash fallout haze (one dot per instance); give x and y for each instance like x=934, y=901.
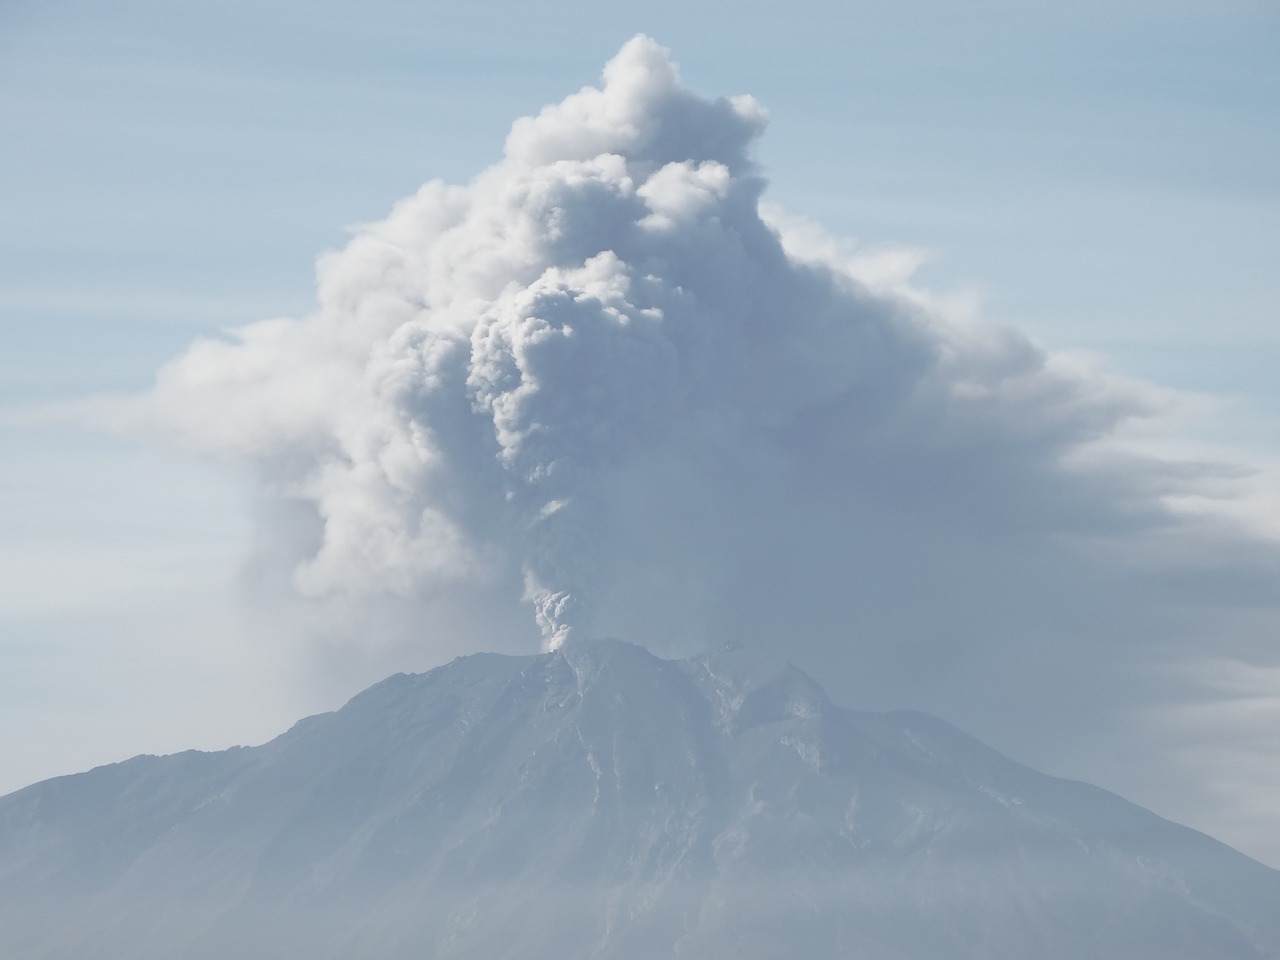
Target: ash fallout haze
x=606, y=386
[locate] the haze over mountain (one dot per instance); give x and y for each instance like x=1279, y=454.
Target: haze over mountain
x=599, y=802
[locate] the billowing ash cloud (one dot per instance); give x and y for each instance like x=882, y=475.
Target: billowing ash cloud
x=597, y=392
x=598, y=363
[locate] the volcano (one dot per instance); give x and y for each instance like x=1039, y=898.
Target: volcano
x=602, y=802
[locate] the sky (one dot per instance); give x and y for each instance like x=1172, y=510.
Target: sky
x=977, y=419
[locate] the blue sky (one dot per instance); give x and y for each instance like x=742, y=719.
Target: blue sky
x=158, y=150
x=1100, y=176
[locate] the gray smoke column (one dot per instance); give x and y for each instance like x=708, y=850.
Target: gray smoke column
x=599, y=363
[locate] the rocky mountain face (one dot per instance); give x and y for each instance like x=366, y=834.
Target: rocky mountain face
x=599, y=802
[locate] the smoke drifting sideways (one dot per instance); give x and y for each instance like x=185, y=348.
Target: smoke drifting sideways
x=598, y=383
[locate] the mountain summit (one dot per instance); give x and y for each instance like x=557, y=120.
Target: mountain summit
x=600, y=802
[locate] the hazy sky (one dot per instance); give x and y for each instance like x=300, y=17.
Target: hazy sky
x=1077, y=567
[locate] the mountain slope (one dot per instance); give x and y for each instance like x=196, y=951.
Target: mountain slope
x=602, y=802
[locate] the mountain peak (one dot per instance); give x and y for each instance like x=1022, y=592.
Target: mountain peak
x=600, y=801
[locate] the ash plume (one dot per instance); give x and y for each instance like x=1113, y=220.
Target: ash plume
x=598, y=359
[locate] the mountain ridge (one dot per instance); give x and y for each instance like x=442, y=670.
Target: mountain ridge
x=602, y=802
